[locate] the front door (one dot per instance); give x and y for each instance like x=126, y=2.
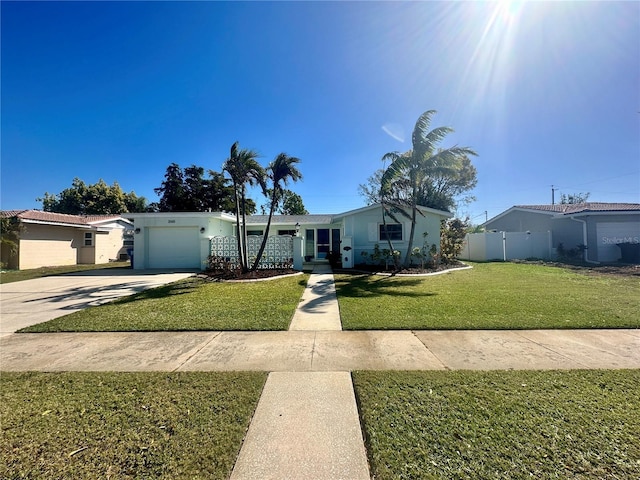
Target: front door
x=323, y=244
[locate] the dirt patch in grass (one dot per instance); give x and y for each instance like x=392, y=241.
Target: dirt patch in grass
x=618, y=269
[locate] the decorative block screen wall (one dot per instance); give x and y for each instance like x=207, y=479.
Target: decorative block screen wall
x=278, y=252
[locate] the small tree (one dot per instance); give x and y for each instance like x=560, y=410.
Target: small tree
x=573, y=198
x=452, y=235
x=10, y=229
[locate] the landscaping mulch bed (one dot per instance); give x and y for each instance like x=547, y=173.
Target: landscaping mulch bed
x=413, y=270
x=226, y=275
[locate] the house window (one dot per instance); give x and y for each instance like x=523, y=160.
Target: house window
x=88, y=239
x=287, y=232
x=127, y=239
x=394, y=230
x=255, y=232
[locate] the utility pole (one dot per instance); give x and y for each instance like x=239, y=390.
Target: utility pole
x=553, y=195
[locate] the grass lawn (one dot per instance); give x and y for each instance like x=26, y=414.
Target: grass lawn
x=490, y=296
x=8, y=276
x=124, y=425
x=191, y=304
x=515, y=424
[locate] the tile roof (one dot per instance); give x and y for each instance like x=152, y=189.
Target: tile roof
x=49, y=217
x=568, y=209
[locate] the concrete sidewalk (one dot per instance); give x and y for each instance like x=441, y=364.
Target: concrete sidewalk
x=322, y=351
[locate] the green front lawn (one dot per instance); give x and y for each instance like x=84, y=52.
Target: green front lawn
x=191, y=304
x=8, y=276
x=124, y=425
x=518, y=424
x=490, y=296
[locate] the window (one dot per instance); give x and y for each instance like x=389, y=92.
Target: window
x=88, y=239
x=255, y=232
x=127, y=239
x=287, y=232
x=394, y=231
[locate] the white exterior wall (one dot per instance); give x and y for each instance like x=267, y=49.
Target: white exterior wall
x=363, y=227
x=205, y=224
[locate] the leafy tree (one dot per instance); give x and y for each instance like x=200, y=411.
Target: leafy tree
x=423, y=164
x=188, y=190
x=243, y=169
x=96, y=199
x=441, y=189
x=292, y=204
x=171, y=191
x=280, y=171
x=574, y=198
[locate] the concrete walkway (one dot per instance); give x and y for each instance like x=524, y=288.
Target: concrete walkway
x=318, y=308
x=306, y=424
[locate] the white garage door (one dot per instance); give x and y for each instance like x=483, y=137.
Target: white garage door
x=611, y=233
x=176, y=247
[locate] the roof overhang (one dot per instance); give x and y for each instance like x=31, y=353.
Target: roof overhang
x=57, y=224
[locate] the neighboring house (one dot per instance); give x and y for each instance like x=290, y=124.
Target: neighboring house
x=185, y=240
x=54, y=239
x=601, y=227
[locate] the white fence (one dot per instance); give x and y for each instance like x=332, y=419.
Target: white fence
x=278, y=252
x=482, y=247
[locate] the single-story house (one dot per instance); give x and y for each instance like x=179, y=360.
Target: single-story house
x=53, y=239
x=604, y=228
x=186, y=240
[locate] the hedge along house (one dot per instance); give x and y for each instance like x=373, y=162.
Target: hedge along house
x=604, y=228
x=53, y=239
x=186, y=240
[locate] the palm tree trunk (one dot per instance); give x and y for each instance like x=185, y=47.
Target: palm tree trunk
x=238, y=230
x=245, y=259
x=414, y=210
x=386, y=234
x=263, y=244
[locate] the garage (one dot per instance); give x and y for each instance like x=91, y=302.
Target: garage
x=173, y=247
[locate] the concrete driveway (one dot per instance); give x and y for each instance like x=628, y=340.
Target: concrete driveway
x=35, y=301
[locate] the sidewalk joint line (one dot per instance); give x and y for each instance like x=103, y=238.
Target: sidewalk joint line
x=197, y=352
x=519, y=333
x=313, y=349
x=445, y=366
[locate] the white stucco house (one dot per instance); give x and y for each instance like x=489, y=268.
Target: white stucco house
x=605, y=229
x=185, y=240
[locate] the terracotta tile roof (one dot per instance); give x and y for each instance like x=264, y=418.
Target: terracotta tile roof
x=49, y=217
x=568, y=209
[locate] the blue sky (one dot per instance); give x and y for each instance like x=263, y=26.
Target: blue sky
x=546, y=93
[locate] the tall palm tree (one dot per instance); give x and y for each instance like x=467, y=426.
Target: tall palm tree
x=280, y=171
x=244, y=170
x=415, y=166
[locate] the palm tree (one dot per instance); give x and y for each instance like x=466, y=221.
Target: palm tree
x=280, y=171
x=243, y=169
x=415, y=166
